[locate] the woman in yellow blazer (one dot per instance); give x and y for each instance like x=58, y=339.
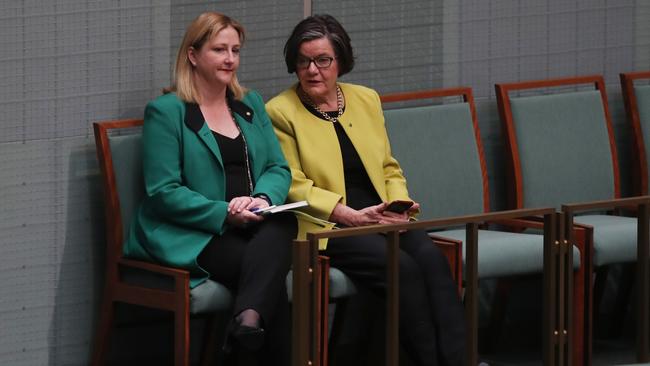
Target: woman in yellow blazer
x=210, y=157
x=334, y=139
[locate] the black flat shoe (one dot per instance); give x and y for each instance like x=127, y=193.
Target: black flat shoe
x=248, y=338
x=242, y=336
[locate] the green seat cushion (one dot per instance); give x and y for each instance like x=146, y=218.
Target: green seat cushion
x=437, y=150
x=340, y=285
x=209, y=296
x=502, y=253
x=615, y=238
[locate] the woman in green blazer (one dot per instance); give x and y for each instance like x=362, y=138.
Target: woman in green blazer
x=210, y=158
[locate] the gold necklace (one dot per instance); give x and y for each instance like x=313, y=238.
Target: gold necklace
x=339, y=104
x=248, y=168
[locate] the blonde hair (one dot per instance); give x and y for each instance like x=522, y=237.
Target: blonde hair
x=202, y=29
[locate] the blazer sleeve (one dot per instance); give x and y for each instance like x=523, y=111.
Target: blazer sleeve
x=167, y=196
x=275, y=179
x=321, y=201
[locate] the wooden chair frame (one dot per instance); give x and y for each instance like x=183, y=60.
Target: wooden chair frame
x=580, y=298
x=642, y=205
x=640, y=155
x=176, y=300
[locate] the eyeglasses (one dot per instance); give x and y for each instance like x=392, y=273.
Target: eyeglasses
x=321, y=62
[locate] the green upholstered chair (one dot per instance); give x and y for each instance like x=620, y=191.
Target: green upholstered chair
x=152, y=285
x=438, y=145
x=636, y=94
x=561, y=150
x=135, y=282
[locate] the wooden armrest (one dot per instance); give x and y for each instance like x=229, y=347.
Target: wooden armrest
x=606, y=204
x=156, y=268
x=518, y=225
x=452, y=250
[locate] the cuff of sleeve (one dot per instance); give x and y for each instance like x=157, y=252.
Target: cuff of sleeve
x=264, y=197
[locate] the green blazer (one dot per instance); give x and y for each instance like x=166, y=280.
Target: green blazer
x=184, y=204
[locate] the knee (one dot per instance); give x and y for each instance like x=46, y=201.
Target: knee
x=427, y=254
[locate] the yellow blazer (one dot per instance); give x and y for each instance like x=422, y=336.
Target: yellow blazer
x=312, y=150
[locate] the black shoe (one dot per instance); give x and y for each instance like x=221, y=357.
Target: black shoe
x=251, y=338
x=248, y=338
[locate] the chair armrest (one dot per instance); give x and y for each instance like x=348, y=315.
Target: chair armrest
x=156, y=268
x=453, y=251
x=520, y=224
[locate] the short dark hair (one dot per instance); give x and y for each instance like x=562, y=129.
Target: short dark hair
x=316, y=27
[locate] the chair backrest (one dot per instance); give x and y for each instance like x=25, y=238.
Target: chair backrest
x=560, y=144
x=637, y=105
x=439, y=148
x=120, y=159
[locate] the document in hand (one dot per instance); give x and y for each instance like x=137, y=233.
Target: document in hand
x=275, y=209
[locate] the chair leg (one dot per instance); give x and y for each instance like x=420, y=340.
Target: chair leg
x=622, y=300
x=600, y=282
x=209, y=341
x=581, y=318
x=583, y=299
x=104, y=330
x=181, y=338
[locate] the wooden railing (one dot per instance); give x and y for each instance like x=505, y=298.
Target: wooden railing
x=640, y=205
x=306, y=298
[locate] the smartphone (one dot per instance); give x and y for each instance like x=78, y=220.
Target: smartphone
x=399, y=206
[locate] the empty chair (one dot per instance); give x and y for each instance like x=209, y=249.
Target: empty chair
x=439, y=148
x=561, y=150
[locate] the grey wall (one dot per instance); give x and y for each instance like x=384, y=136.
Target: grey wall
x=67, y=63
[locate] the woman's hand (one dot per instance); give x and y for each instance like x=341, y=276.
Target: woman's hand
x=239, y=204
x=239, y=210
x=371, y=215
x=348, y=216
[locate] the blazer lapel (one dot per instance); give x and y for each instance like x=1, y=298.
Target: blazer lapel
x=195, y=121
x=365, y=148
x=243, y=117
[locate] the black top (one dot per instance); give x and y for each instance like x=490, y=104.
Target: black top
x=359, y=191
x=234, y=163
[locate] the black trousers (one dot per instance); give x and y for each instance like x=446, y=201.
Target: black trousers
x=253, y=262
x=432, y=325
